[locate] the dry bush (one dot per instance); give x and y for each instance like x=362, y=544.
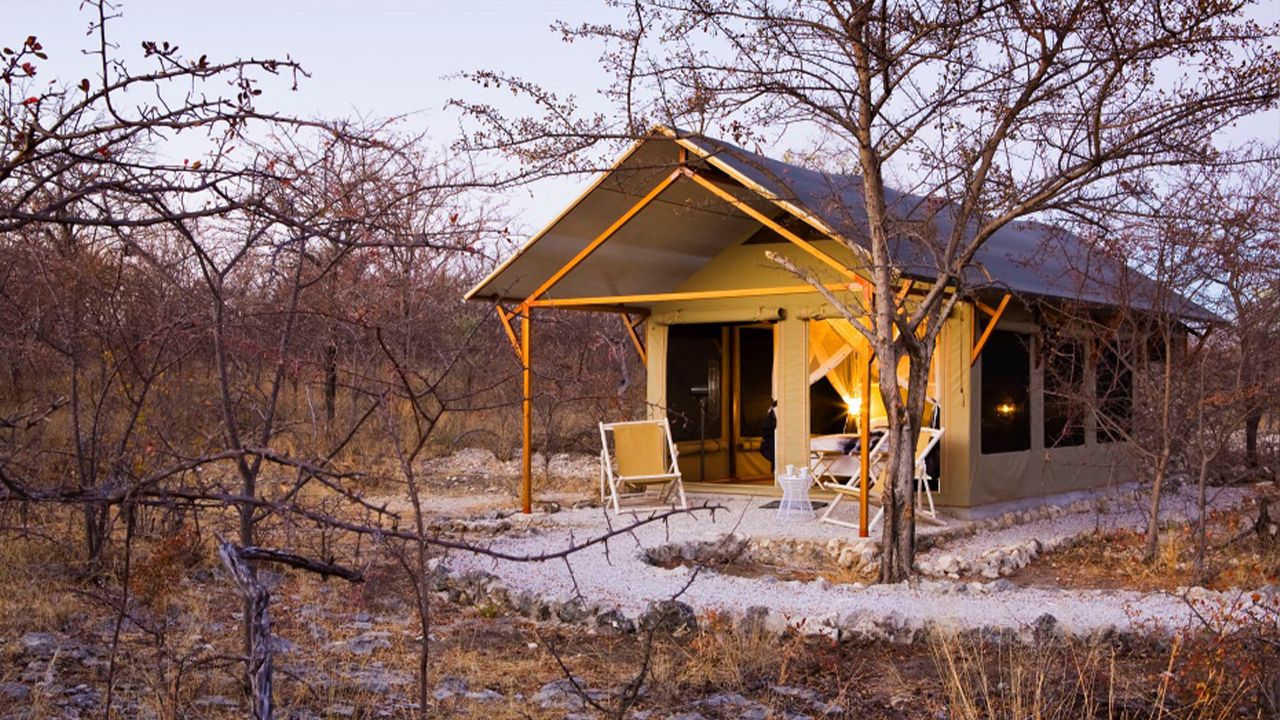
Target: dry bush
x=1069, y=679
x=724, y=654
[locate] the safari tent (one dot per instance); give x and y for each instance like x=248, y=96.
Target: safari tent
x=673, y=239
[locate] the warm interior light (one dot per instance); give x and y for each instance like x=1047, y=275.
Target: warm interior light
x=1006, y=409
x=855, y=405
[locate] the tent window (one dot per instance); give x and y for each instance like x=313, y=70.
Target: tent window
x=1006, y=394
x=693, y=352
x=1062, y=360
x=1115, y=396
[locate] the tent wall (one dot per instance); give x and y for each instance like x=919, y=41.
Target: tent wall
x=955, y=393
x=1040, y=471
x=968, y=477
x=655, y=335
x=791, y=359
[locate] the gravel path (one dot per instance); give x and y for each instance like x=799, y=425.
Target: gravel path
x=621, y=579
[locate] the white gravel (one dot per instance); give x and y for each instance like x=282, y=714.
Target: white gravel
x=621, y=579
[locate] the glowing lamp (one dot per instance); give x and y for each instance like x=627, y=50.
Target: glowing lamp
x=855, y=405
x=1006, y=409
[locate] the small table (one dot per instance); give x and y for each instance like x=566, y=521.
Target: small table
x=795, y=504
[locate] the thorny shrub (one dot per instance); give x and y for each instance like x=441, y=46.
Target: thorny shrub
x=1236, y=643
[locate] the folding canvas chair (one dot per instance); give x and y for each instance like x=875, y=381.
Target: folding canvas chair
x=929, y=438
x=852, y=486
x=643, y=454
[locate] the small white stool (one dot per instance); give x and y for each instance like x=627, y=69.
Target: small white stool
x=795, y=504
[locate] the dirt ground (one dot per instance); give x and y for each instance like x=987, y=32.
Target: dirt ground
x=1235, y=557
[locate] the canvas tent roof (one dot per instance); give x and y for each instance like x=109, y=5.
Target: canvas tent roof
x=686, y=226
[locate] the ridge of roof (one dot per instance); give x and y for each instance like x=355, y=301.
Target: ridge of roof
x=1026, y=256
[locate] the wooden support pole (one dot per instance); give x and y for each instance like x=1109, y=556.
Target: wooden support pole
x=991, y=326
x=864, y=433
x=688, y=295
x=526, y=415
x=864, y=440
x=635, y=337
x=505, y=317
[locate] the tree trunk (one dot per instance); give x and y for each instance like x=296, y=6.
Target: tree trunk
x=258, y=621
x=97, y=524
x=330, y=381
x=1152, y=544
x=1251, y=425
x=898, y=541
x=1202, y=534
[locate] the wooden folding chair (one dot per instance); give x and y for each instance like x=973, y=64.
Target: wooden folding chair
x=928, y=440
x=852, y=486
x=643, y=454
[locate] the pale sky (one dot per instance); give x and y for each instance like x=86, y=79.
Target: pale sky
x=375, y=58
x=379, y=58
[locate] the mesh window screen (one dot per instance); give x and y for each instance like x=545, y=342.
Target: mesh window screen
x=1062, y=361
x=1115, y=395
x=690, y=351
x=1006, y=393
x=755, y=378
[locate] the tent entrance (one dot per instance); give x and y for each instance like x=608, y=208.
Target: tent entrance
x=838, y=358
x=735, y=363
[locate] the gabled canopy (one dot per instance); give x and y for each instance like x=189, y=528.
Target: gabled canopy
x=686, y=226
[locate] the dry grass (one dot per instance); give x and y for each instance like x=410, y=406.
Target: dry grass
x=1113, y=559
x=1066, y=680
x=181, y=651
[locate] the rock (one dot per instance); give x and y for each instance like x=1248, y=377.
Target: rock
x=671, y=616
x=562, y=694
x=688, y=716
x=377, y=680
x=735, y=705
x=40, y=644
x=448, y=687
x=486, y=695
x=811, y=696
x=848, y=558
x=14, y=691
x=366, y=642
x=571, y=611
x=282, y=646
x=1044, y=628
x=340, y=710
x=616, y=621
x=81, y=696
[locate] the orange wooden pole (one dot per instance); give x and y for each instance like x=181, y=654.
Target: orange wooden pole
x=635, y=338
x=526, y=429
x=864, y=433
x=687, y=295
x=982, y=341
x=511, y=333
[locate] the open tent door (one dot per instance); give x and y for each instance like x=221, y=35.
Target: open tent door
x=837, y=352
x=753, y=394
